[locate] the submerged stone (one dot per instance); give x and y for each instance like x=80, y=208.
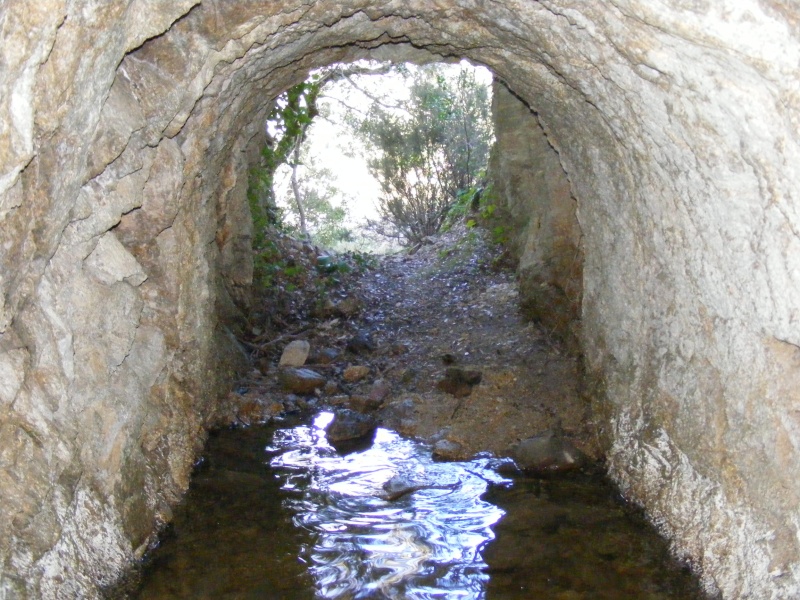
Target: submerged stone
x=547, y=453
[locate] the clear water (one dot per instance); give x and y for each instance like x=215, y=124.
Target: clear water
x=280, y=514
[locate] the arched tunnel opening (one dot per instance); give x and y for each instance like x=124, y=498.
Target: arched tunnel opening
x=128, y=131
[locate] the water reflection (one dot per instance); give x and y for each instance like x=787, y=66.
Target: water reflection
x=426, y=544
x=319, y=524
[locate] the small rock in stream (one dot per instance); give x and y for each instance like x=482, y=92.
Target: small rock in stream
x=399, y=486
x=448, y=451
x=350, y=429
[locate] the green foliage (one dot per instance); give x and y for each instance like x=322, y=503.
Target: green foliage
x=500, y=234
x=330, y=265
x=291, y=114
x=481, y=205
x=288, y=121
x=363, y=260
x=271, y=267
x=428, y=154
x=467, y=201
x=493, y=218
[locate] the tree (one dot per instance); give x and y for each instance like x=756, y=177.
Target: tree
x=427, y=152
x=323, y=221
x=287, y=125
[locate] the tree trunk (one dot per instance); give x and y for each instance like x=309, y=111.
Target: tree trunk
x=298, y=200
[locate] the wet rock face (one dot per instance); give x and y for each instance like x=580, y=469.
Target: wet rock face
x=127, y=130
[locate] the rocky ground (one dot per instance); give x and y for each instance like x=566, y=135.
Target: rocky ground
x=429, y=344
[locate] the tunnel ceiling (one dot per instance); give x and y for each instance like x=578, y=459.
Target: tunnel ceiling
x=127, y=131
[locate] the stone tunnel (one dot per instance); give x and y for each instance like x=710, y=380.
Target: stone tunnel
x=128, y=127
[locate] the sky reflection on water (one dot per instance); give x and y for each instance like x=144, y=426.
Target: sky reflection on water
x=427, y=544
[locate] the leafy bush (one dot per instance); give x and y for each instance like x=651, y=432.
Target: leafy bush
x=425, y=154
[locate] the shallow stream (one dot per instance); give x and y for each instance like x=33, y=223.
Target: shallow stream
x=279, y=513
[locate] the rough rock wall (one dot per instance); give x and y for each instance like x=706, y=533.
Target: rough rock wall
x=126, y=130
x=535, y=204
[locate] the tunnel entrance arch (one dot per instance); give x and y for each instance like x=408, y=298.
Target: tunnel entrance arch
x=131, y=127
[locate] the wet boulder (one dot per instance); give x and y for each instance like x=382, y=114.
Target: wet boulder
x=350, y=430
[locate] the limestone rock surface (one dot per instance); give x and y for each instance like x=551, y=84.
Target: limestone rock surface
x=127, y=129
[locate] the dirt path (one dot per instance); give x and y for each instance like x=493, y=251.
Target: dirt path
x=410, y=321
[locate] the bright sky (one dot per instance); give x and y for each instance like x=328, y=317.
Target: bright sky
x=331, y=145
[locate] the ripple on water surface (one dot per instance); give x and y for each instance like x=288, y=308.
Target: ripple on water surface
x=426, y=544
x=284, y=515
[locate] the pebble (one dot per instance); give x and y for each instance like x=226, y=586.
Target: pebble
x=399, y=348
x=348, y=307
x=380, y=389
x=363, y=404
